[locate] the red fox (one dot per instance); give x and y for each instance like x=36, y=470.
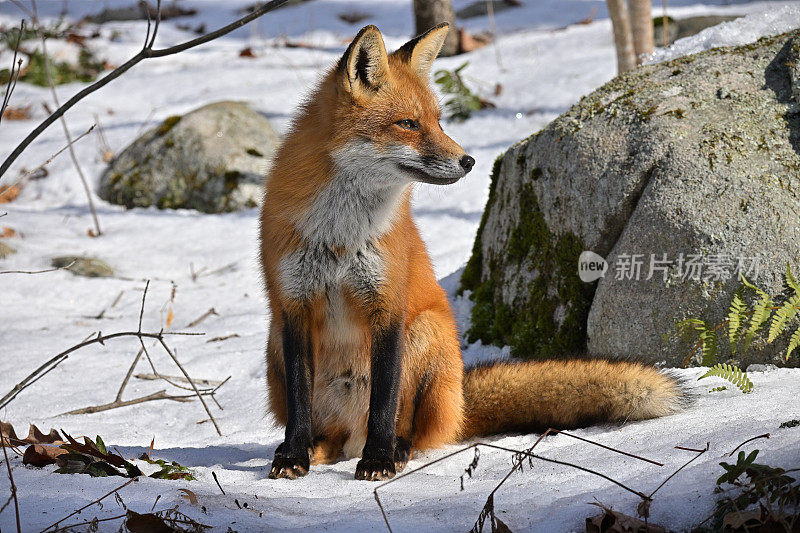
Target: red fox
x=363, y=357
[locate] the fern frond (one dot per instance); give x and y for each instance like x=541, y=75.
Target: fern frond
x=710, y=347
x=791, y=280
x=731, y=373
x=794, y=342
x=761, y=314
x=751, y=286
x=782, y=316
x=736, y=318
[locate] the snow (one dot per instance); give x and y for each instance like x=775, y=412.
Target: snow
x=543, y=69
x=740, y=31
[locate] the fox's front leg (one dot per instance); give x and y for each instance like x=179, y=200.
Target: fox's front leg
x=377, y=459
x=292, y=457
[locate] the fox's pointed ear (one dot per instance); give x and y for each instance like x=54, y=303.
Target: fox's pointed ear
x=365, y=63
x=420, y=51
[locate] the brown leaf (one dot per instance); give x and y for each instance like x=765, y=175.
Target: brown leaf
x=7, y=233
x=35, y=436
x=17, y=113
x=8, y=193
x=247, y=52
x=614, y=522
x=189, y=495
x=146, y=523
x=170, y=317
x=41, y=455
x=89, y=448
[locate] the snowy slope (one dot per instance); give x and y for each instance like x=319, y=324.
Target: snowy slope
x=542, y=72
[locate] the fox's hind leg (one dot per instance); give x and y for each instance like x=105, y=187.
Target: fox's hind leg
x=435, y=358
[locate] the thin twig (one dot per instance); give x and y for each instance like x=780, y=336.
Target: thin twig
x=764, y=436
x=608, y=447
x=11, y=480
x=210, y=312
x=93, y=520
x=64, y=126
x=690, y=461
x=128, y=376
x=214, y=475
x=50, y=159
x=517, y=453
x=58, y=359
x=160, y=395
x=36, y=271
x=143, y=54
x=197, y=392
x=98, y=500
x=204, y=382
x=12, y=79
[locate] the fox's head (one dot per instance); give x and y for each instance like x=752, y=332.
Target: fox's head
x=386, y=117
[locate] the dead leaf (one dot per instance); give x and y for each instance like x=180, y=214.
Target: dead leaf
x=613, y=522
x=468, y=42
x=353, y=17
x=35, y=436
x=146, y=523
x=107, y=156
x=7, y=233
x=78, y=39
x=247, y=52
x=8, y=193
x=41, y=455
x=189, y=495
x=170, y=317
x=17, y=113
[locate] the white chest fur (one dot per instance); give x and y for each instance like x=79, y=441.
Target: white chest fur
x=348, y=216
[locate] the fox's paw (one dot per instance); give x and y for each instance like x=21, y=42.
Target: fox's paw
x=375, y=469
x=287, y=467
x=402, y=454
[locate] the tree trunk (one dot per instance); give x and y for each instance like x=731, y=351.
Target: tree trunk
x=429, y=13
x=623, y=37
x=641, y=27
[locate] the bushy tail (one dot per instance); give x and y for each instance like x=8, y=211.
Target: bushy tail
x=531, y=396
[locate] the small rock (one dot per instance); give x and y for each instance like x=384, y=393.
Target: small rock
x=212, y=159
x=6, y=250
x=90, y=267
x=758, y=367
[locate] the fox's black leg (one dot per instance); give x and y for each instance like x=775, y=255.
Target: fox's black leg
x=292, y=457
x=377, y=460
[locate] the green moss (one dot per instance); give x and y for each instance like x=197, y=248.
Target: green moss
x=254, y=152
x=550, y=320
x=659, y=21
x=677, y=112
x=231, y=178
x=168, y=142
x=471, y=277
x=167, y=125
x=536, y=173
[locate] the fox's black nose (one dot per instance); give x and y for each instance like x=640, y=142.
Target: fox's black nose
x=467, y=163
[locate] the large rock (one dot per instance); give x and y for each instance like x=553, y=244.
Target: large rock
x=697, y=156
x=212, y=159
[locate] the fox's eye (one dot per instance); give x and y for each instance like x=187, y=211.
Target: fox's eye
x=408, y=124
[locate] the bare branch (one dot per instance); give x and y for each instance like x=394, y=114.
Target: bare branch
x=160, y=395
x=36, y=271
x=98, y=500
x=60, y=358
x=12, y=78
x=143, y=54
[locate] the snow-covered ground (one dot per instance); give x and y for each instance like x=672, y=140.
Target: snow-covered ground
x=543, y=69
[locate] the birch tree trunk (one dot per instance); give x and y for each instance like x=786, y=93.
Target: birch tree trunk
x=623, y=36
x=429, y=13
x=641, y=27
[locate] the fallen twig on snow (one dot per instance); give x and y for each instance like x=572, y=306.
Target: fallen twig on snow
x=36, y=271
x=13, y=74
x=98, y=500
